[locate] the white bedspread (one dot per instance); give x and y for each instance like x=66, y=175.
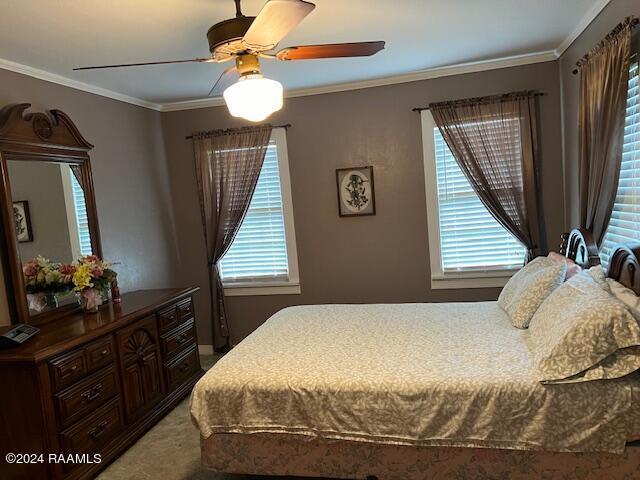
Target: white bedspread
x=449, y=374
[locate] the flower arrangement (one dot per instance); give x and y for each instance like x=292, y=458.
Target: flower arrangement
x=92, y=278
x=89, y=276
x=44, y=276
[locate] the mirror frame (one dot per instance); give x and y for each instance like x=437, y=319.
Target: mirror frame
x=49, y=137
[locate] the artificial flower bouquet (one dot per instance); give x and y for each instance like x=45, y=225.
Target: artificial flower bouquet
x=89, y=276
x=92, y=278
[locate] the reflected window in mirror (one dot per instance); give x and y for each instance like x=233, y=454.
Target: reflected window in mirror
x=77, y=218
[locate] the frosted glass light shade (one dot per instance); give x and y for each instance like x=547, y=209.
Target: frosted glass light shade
x=253, y=97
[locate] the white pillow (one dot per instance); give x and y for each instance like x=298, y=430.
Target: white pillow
x=626, y=296
x=529, y=287
x=582, y=332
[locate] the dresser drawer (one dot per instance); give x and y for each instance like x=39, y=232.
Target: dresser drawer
x=179, y=339
x=83, y=397
x=175, y=315
x=182, y=367
x=90, y=434
x=100, y=353
x=70, y=367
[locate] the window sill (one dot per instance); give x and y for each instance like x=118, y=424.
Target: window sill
x=249, y=289
x=470, y=279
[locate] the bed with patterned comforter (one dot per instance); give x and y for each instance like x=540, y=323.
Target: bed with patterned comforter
x=449, y=374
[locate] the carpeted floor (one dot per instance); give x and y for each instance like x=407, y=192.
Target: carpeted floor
x=169, y=451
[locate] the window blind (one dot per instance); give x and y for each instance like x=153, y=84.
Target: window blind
x=624, y=226
x=470, y=238
x=82, y=220
x=259, y=251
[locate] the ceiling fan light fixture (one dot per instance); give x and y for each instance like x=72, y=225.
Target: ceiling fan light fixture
x=254, y=97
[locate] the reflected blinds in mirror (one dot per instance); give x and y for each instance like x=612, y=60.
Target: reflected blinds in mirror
x=82, y=219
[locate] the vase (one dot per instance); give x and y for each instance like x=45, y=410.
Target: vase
x=91, y=299
x=51, y=300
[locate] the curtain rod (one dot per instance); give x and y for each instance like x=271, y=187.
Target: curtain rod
x=420, y=109
x=285, y=126
x=633, y=22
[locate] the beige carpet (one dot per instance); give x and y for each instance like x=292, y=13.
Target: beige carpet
x=169, y=451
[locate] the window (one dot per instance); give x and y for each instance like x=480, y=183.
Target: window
x=468, y=247
x=624, y=226
x=263, y=259
x=82, y=220
x=77, y=219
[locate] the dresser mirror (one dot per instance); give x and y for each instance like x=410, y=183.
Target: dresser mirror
x=48, y=207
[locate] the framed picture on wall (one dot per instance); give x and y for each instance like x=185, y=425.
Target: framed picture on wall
x=22, y=220
x=356, y=191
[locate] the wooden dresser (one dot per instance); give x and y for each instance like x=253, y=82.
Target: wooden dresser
x=92, y=384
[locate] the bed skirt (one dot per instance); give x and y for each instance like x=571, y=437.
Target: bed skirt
x=281, y=454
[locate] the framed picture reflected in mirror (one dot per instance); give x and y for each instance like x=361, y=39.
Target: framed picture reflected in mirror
x=22, y=219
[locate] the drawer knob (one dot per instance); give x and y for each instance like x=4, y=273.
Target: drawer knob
x=93, y=393
x=184, y=366
x=104, y=352
x=74, y=367
x=181, y=338
x=98, y=430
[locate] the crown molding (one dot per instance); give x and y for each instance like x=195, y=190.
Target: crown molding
x=437, y=72
x=589, y=17
x=67, y=82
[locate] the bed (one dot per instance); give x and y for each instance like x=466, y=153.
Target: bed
x=412, y=391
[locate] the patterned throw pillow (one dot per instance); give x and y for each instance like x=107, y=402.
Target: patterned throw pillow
x=572, y=267
x=626, y=296
x=528, y=288
x=581, y=332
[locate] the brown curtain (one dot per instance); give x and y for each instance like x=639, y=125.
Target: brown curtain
x=228, y=165
x=494, y=141
x=604, y=73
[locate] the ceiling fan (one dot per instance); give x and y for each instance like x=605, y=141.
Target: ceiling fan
x=247, y=39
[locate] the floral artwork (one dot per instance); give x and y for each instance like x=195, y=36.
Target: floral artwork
x=22, y=221
x=355, y=191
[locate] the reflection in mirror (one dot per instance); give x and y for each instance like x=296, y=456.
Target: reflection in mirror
x=50, y=220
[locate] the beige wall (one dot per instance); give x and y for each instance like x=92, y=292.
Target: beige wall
x=40, y=184
x=382, y=258
x=130, y=177
x=613, y=13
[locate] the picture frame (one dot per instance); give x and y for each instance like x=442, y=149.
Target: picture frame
x=22, y=219
x=356, y=191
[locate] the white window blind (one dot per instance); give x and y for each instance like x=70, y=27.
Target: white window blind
x=624, y=226
x=470, y=238
x=82, y=220
x=259, y=251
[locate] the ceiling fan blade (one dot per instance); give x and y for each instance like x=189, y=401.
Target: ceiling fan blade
x=276, y=19
x=228, y=78
x=334, y=50
x=196, y=60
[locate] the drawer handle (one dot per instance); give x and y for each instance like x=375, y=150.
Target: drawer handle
x=99, y=430
x=180, y=339
x=105, y=352
x=74, y=367
x=93, y=393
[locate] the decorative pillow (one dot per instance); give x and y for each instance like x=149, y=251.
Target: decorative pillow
x=572, y=267
x=581, y=332
x=528, y=288
x=626, y=296
x=598, y=275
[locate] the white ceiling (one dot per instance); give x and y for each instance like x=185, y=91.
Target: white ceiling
x=55, y=36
